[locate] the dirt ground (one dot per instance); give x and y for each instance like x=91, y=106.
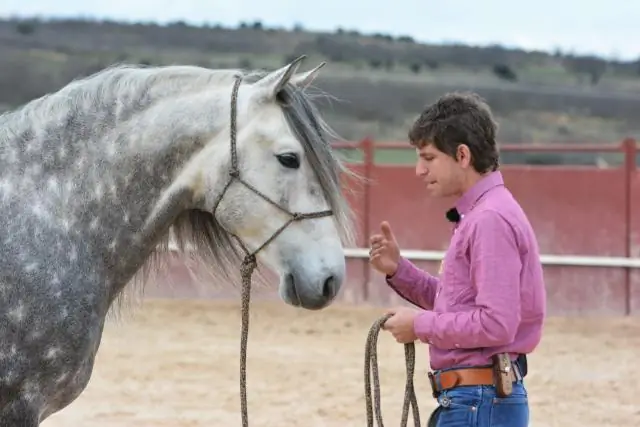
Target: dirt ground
x=175, y=363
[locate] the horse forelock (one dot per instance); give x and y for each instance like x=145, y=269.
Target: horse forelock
x=315, y=136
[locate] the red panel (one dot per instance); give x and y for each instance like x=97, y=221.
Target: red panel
x=577, y=212
x=355, y=190
x=635, y=242
x=400, y=198
x=573, y=211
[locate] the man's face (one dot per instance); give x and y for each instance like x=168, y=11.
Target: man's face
x=441, y=173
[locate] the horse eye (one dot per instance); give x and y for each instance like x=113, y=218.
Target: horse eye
x=289, y=160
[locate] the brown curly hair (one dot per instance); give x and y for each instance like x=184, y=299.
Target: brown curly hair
x=459, y=118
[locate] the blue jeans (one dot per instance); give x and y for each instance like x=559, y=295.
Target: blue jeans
x=478, y=406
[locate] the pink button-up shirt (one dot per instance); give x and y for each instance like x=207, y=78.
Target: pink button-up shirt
x=490, y=295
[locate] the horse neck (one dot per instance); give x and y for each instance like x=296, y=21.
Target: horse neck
x=150, y=185
x=105, y=172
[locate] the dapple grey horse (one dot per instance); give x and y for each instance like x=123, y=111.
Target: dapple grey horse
x=96, y=177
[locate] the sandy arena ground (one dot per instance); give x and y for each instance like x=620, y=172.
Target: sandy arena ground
x=175, y=363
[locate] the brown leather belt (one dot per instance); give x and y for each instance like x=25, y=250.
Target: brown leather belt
x=445, y=380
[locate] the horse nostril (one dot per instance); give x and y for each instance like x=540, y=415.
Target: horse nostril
x=329, y=287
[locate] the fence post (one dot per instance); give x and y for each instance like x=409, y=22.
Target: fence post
x=369, y=158
x=629, y=147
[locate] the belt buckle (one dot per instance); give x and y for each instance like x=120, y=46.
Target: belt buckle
x=434, y=387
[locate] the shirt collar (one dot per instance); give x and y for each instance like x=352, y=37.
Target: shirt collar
x=473, y=194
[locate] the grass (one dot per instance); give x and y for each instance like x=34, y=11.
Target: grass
x=407, y=157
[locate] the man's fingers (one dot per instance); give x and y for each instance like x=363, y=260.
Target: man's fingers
x=376, y=239
x=386, y=230
x=384, y=325
x=376, y=252
x=379, y=244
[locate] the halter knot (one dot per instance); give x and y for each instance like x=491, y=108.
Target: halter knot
x=248, y=264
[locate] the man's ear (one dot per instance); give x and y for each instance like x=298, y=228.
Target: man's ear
x=463, y=155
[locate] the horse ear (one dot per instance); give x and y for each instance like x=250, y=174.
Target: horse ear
x=272, y=83
x=305, y=79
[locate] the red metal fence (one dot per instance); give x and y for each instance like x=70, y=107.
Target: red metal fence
x=575, y=210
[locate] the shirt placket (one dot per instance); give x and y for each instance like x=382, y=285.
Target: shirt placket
x=453, y=233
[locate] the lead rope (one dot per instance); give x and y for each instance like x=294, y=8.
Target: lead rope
x=246, y=270
x=249, y=263
x=371, y=369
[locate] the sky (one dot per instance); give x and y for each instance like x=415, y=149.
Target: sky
x=610, y=28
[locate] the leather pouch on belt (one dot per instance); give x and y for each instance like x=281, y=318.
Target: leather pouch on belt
x=502, y=374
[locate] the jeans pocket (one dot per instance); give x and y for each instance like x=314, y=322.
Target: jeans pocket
x=459, y=407
x=511, y=411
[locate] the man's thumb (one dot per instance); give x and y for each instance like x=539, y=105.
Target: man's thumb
x=386, y=230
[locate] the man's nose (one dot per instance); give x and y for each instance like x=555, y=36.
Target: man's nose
x=421, y=169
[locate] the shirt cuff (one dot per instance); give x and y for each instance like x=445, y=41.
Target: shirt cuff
x=402, y=272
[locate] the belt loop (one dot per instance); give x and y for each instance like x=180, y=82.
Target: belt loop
x=434, y=380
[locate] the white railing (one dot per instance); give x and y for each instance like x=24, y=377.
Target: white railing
x=568, y=260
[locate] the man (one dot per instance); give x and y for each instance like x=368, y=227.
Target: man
x=485, y=309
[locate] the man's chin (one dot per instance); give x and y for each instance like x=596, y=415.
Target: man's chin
x=433, y=190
